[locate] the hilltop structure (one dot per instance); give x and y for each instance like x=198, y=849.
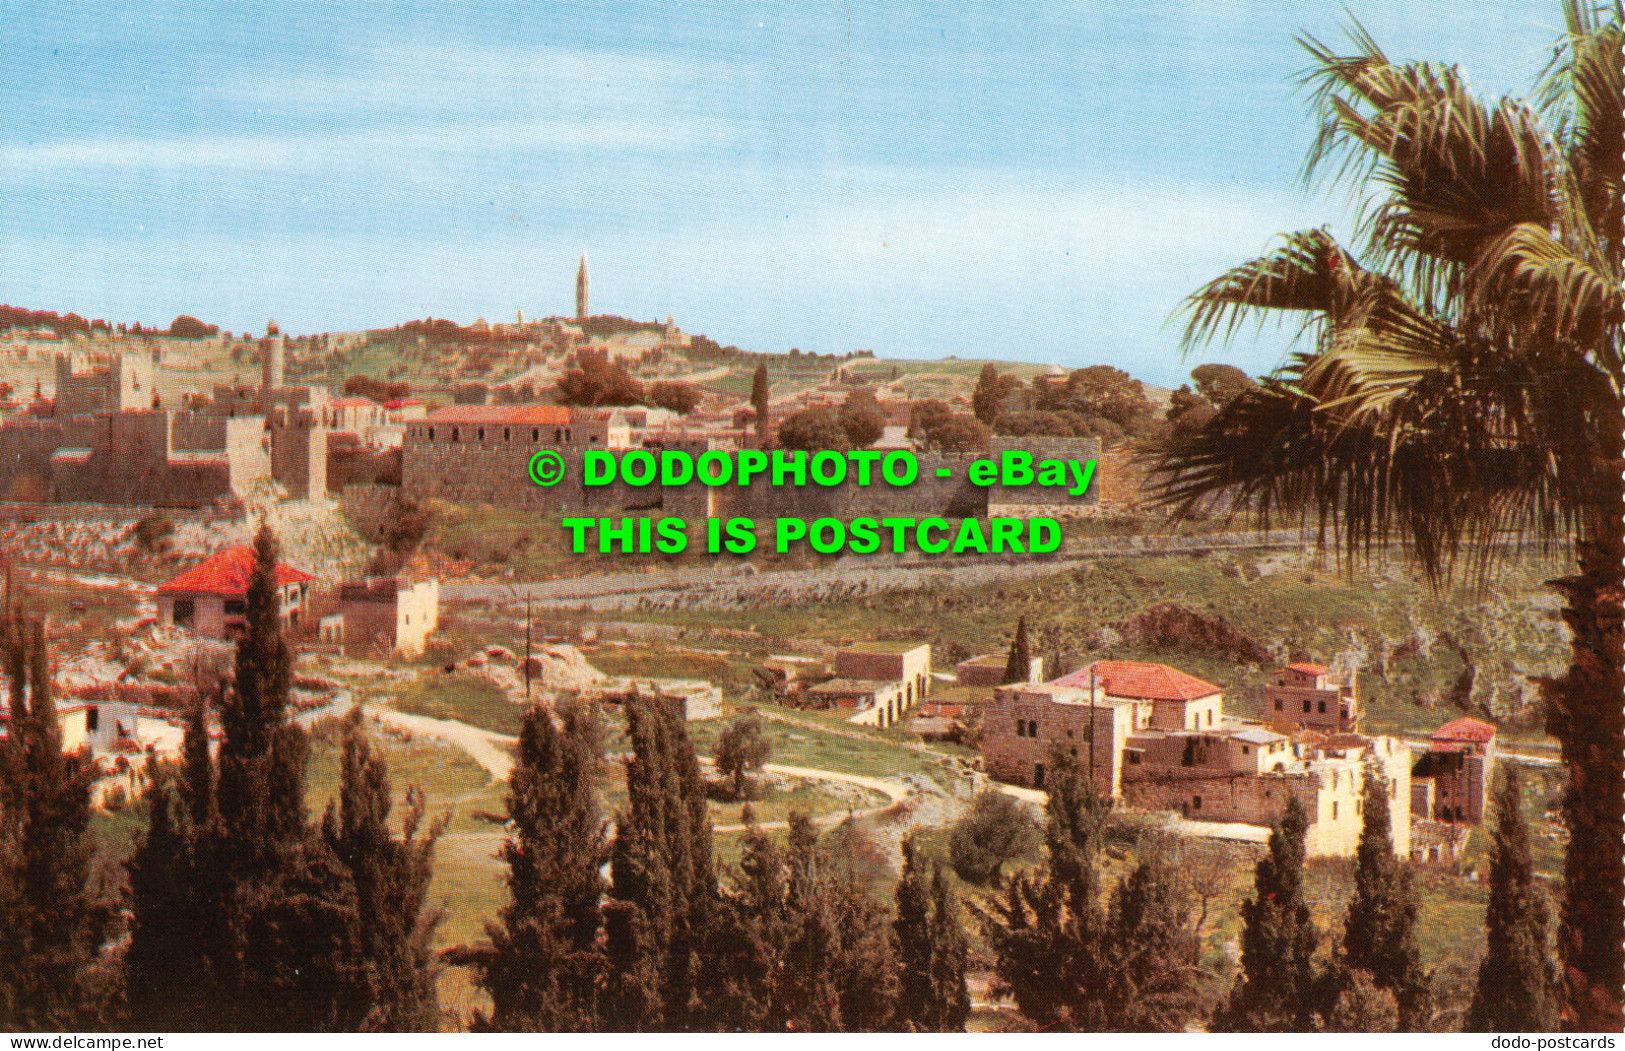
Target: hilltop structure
x=581, y=290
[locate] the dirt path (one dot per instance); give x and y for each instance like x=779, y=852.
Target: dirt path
x=486, y=747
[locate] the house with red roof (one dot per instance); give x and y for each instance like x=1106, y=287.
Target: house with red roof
x=1305, y=696
x=211, y=598
x=1450, y=781
x=1164, y=698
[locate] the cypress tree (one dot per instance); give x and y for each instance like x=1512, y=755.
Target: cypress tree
x=1152, y=950
x=543, y=964
x=1276, y=990
x=391, y=877
x=161, y=965
x=1517, y=982
x=931, y=951
x=1016, y=665
x=275, y=938
x=806, y=998
x=1049, y=934
x=1379, y=933
x=52, y=921
x=746, y=942
x=914, y=948
x=950, y=958
x=662, y=878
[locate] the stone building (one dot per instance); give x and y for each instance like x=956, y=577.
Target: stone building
x=211, y=598
x=121, y=383
x=1161, y=741
x=389, y=615
x=1451, y=780
x=1308, y=696
x=1025, y=723
x=987, y=670
x=1163, y=698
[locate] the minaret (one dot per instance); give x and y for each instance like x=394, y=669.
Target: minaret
x=272, y=353
x=581, y=291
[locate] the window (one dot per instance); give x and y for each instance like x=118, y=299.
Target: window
x=1306, y=707
x=409, y=618
x=1196, y=802
x=1322, y=707
x=1245, y=750
x=431, y=434
x=1021, y=728
x=1277, y=705
x=1210, y=716
x=236, y=607
x=1038, y=775
x=185, y=610
x=1032, y=727
x=454, y=437
x=481, y=434
x=505, y=435
x=1334, y=810
x=1133, y=758
x=535, y=434
x=93, y=719
x=1074, y=753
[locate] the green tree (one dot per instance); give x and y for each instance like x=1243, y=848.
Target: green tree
x=400, y=969
x=1462, y=379
x=814, y=430
x=1517, y=984
x=1151, y=949
x=664, y=892
x=52, y=919
x=1379, y=932
x=924, y=416
x=958, y=434
x=1048, y=934
x=996, y=830
x=1276, y=990
x=1018, y=665
x=681, y=398
x=862, y=419
x=931, y=951
x=991, y=390
x=597, y=381
x=543, y=962
x=742, y=747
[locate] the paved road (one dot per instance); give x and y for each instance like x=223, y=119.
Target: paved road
x=737, y=584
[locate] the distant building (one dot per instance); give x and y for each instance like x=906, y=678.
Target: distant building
x=1306, y=695
x=211, y=598
x=389, y=615
x=1163, y=698
x=1158, y=739
x=1450, y=782
x=581, y=290
x=988, y=670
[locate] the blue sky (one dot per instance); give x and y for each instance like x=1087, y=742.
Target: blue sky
x=1041, y=181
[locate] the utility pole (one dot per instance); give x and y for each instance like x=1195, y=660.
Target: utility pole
x=527, y=646
x=1091, y=729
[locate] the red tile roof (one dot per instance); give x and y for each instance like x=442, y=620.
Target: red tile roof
x=350, y=403
x=401, y=403
x=227, y=573
x=1465, y=730
x=1307, y=669
x=526, y=415
x=1141, y=680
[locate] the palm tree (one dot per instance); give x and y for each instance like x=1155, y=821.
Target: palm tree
x=1457, y=383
